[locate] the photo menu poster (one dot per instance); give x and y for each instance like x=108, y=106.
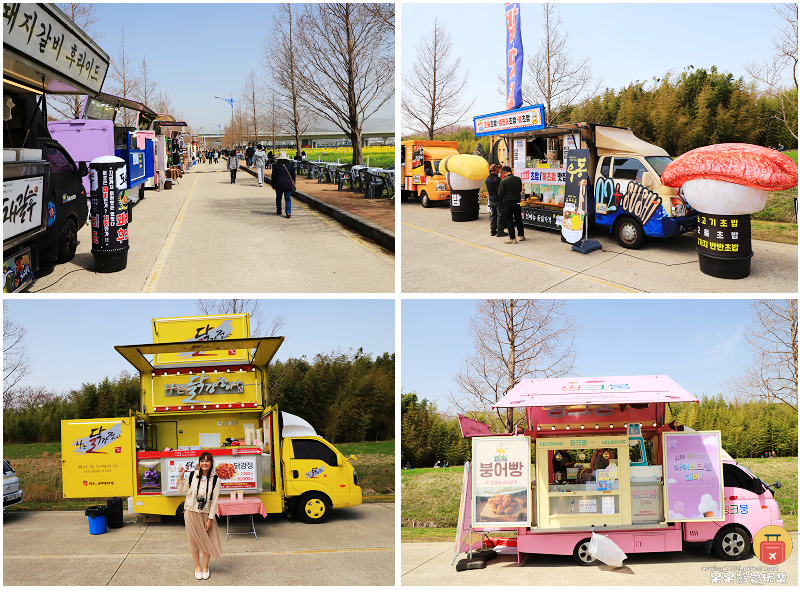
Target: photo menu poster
x=693, y=476
x=501, y=491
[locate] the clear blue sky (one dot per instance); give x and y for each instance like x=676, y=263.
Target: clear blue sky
x=195, y=51
x=698, y=343
x=627, y=42
x=71, y=341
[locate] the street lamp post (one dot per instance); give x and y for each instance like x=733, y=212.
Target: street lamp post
x=204, y=138
x=230, y=101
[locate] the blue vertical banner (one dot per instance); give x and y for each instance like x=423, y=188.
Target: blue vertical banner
x=514, y=57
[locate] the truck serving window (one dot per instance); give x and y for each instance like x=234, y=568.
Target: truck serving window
x=628, y=169
x=658, y=163
x=313, y=449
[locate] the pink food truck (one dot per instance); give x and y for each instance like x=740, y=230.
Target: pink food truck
x=606, y=461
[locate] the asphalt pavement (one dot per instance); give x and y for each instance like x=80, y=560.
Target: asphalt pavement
x=355, y=547
x=443, y=256
x=209, y=236
x=431, y=564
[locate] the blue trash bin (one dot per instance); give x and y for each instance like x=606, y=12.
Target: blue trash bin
x=98, y=523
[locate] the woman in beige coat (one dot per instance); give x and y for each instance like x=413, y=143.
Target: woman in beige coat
x=200, y=511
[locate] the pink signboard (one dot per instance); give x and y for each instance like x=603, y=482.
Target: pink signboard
x=566, y=391
x=470, y=427
x=693, y=476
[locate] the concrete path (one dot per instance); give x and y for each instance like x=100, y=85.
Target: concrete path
x=430, y=564
x=355, y=547
x=442, y=256
x=209, y=236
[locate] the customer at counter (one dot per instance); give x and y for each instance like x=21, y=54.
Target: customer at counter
x=510, y=192
x=200, y=511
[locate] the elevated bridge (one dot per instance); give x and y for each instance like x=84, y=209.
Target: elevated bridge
x=312, y=138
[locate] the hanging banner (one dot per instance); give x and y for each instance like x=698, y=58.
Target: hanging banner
x=514, y=121
x=502, y=483
x=466, y=540
x=693, y=473
x=575, y=194
x=514, y=57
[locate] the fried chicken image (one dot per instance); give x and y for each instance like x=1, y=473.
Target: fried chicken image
x=503, y=504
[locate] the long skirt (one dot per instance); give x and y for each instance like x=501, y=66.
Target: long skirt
x=207, y=542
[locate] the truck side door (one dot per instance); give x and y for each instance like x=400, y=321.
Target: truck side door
x=97, y=457
x=314, y=466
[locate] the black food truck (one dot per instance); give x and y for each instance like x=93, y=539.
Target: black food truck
x=44, y=202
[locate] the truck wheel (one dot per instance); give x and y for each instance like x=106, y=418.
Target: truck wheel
x=67, y=241
x=629, y=233
x=313, y=508
x=581, y=553
x=179, y=513
x=732, y=544
x=423, y=198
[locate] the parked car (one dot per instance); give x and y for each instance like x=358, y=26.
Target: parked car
x=12, y=494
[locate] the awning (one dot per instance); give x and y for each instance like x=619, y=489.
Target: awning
x=265, y=349
x=614, y=140
x=574, y=391
x=119, y=101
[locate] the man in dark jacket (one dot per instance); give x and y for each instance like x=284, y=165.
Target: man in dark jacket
x=509, y=192
x=496, y=221
x=283, y=177
x=248, y=154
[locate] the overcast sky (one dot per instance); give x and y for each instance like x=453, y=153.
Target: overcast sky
x=196, y=51
x=71, y=341
x=697, y=343
x=627, y=42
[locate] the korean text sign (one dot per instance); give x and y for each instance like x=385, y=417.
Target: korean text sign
x=22, y=205
x=514, y=57
x=501, y=481
x=576, y=193
x=524, y=119
x=693, y=474
x=34, y=31
x=235, y=473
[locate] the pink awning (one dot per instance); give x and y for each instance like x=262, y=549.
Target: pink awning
x=568, y=391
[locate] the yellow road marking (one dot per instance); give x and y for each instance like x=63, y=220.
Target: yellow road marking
x=152, y=278
x=521, y=259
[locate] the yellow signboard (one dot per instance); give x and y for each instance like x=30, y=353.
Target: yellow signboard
x=201, y=329
x=97, y=458
x=206, y=388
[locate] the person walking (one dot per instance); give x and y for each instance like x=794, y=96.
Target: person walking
x=248, y=154
x=283, y=179
x=509, y=193
x=200, y=510
x=496, y=221
x=233, y=166
x=259, y=161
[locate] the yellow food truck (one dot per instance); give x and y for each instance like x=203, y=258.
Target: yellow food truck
x=419, y=162
x=204, y=388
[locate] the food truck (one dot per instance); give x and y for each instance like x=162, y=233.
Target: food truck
x=419, y=161
x=607, y=461
x=44, y=202
x=630, y=200
x=95, y=134
x=205, y=388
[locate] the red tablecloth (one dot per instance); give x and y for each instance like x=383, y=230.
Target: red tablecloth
x=248, y=505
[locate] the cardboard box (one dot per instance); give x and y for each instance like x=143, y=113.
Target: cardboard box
x=151, y=518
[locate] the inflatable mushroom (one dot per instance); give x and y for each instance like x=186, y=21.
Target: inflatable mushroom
x=465, y=174
x=726, y=183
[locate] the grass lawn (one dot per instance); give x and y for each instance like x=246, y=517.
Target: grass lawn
x=39, y=469
x=431, y=497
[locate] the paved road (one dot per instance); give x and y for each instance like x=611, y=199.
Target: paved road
x=441, y=256
x=354, y=548
x=429, y=564
x=208, y=236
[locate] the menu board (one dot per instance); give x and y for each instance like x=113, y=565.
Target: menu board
x=234, y=472
x=501, y=481
x=693, y=473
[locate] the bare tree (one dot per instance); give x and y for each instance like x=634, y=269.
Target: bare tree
x=513, y=339
x=284, y=48
x=275, y=119
x=252, y=99
x=431, y=96
x=69, y=106
x=146, y=92
x=771, y=375
x=16, y=361
x=558, y=81
x=126, y=84
x=249, y=306
x=770, y=74
x=347, y=59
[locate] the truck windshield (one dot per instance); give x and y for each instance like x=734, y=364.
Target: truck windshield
x=658, y=163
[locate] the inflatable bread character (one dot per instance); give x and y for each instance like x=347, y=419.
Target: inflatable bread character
x=464, y=171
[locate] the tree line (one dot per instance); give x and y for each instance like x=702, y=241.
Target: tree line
x=346, y=397
x=748, y=428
